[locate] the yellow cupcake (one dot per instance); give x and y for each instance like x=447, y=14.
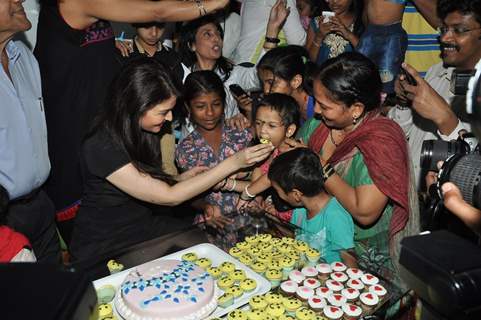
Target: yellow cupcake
x=248, y=285
x=254, y=251
x=255, y=315
x=225, y=300
x=257, y=303
x=105, y=311
x=301, y=245
x=287, y=240
x=264, y=257
x=265, y=247
x=235, y=252
x=258, y=267
x=273, y=298
x=251, y=239
x=275, y=242
x=265, y=237
x=286, y=317
x=225, y=282
x=236, y=291
x=214, y=272
x=238, y=275
x=237, y=315
x=203, y=263
x=246, y=259
x=274, y=276
x=277, y=255
x=114, y=266
x=284, y=248
x=269, y=317
x=243, y=245
x=274, y=264
x=312, y=256
x=227, y=267
x=275, y=310
x=291, y=304
x=189, y=256
x=305, y=314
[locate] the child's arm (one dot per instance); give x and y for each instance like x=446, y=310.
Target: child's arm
x=259, y=185
x=348, y=258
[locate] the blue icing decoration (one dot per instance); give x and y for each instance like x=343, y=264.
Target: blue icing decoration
x=185, y=279
x=199, y=283
x=193, y=299
x=185, y=292
x=168, y=296
x=141, y=288
x=156, y=298
x=201, y=289
x=166, y=286
x=126, y=290
x=187, y=287
x=176, y=300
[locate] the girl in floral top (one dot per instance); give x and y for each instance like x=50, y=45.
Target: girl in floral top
x=210, y=143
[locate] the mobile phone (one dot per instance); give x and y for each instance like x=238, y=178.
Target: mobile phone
x=327, y=15
x=409, y=78
x=237, y=90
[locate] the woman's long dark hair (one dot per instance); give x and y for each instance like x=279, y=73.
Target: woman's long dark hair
x=140, y=86
x=350, y=78
x=187, y=39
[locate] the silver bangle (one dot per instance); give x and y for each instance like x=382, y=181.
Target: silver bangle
x=248, y=194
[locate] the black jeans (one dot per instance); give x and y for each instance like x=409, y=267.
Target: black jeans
x=34, y=216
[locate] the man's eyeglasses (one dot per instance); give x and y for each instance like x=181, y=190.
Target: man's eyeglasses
x=457, y=31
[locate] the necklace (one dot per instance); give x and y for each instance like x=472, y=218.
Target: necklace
x=332, y=139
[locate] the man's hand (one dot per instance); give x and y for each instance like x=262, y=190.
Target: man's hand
x=454, y=202
x=427, y=102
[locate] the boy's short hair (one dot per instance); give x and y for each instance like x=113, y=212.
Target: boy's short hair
x=298, y=169
x=283, y=104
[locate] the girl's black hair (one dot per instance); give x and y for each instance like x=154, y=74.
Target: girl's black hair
x=187, y=39
x=288, y=61
x=140, y=86
x=202, y=82
x=298, y=169
x=350, y=78
x=286, y=106
x=356, y=8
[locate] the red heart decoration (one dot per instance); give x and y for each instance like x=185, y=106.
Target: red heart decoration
x=335, y=283
x=337, y=297
x=353, y=308
x=338, y=264
x=351, y=290
x=369, y=277
x=316, y=300
x=369, y=296
x=324, y=289
x=334, y=309
x=311, y=281
x=355, y=282
x=338, y=274
x=377, y=288
x=355, y=270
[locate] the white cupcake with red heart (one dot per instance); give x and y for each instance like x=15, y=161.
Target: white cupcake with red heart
x=332, y=312
x=338, y=266
x=351, y=294
x=312, y=283
x=369, y=279
x=336, y=299
x=309, y=272
x=351, y=311
x=355, y=284
x=324, y=270
x=304, y=293
x=334, y=285
x=316, y=303
x=339, y=276
x=379, y=290
x=289, y=288
x=323, y=292
x=354, y=273
x=296, y=276
x=368, y=301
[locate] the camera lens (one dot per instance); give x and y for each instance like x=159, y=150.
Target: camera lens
x=465, y=172
x=434, y=151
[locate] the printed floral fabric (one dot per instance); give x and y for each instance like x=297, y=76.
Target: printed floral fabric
x=194, y=151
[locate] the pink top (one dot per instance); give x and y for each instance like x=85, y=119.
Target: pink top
x=264, y=167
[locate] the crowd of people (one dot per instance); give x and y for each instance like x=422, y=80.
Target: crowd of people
x=102, y=140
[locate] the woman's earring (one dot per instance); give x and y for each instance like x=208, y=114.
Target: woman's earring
x=354, y=120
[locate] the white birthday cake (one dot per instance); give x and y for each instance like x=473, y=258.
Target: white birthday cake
x=165, y=290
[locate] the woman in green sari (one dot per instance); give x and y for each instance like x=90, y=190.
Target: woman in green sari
x=365, y=159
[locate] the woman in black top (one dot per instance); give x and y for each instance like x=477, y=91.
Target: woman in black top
x=121, y=165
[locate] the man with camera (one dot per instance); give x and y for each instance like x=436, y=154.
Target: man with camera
x=428, y=108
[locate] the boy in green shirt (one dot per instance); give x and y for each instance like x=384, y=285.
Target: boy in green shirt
x=297, y=177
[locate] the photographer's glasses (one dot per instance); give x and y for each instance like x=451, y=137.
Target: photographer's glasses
x=456, y=31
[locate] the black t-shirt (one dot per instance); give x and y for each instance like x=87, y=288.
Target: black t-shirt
x=108, y=218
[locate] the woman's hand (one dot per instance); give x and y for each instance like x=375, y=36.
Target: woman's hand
x=250, y=156
x=277, y=16
x=214, y=218
x=125, y=47
x=324, y=29
x=191, y=173
x=338, y=27
x=239, y=122
x=290, y=144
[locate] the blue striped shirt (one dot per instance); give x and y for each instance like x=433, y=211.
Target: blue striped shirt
x=24, y=162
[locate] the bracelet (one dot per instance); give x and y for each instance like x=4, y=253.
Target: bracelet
x=200, y=5
x=234, y=184
x=272, y=40
x=328, y=171
x=246, y=191
x=244, y=197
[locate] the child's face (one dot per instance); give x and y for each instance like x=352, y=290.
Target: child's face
x=206, y=111
x=269, y=125
x=151, y=35
x=153, y=119
x=303, y=7
x=273, y=84
x=339, y=6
